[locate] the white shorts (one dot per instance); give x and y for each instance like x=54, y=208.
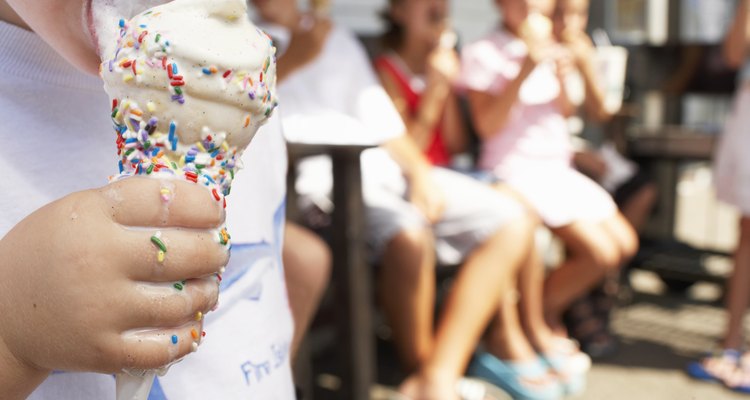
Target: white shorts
x=473, y=211
x=731, y=163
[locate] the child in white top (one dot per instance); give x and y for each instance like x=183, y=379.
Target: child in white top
x=71, y=279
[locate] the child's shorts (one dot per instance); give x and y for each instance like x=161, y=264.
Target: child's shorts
x=562, y=195
x=473, y=212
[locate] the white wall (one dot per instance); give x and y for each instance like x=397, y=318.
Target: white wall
x=471, y=18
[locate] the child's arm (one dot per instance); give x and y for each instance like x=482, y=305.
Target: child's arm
x=304, y=47
x=82, y=286
x=590, y=163
x=489, y=111
x=454, y=127
x=735, y=44
x=416, y=168
x=563, y=68
x=583, y=53
x=442, y=70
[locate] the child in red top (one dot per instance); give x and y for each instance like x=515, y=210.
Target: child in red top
x=420, y=81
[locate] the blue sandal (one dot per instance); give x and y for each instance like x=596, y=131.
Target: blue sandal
x=522, y=380
x=698, y=370
x=570, y=364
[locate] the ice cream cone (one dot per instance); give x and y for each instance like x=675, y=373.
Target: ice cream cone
x=190, y=81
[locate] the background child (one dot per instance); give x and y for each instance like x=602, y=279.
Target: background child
x=419, y=74
x=519, y=110
x=732, y=174
x=588, y=319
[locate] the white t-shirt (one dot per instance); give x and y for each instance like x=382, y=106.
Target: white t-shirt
x=338, y=99
x=57, y=139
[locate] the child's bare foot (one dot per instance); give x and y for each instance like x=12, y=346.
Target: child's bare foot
x=717, y=367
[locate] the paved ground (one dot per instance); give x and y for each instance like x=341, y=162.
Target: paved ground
x=660, y=334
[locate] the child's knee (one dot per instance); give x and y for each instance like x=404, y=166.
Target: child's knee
x=319, y=263
x=604, y=254
x=406, y=252
x=629, y=244
x=413, y=241
x=626, y=239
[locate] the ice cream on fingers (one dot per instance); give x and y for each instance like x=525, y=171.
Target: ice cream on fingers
x=190, y=81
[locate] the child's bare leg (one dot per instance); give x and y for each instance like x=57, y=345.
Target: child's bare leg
x=485, y=276
x=307, y=268
x=593, y=252
x=407, y=294
x=531, y=305
x=738, y=297
x=625, y=237
x=506, y=338
x=638, y=207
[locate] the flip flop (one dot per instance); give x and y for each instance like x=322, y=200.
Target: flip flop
x=522, y=380
x=570, y=364
x=697, y=369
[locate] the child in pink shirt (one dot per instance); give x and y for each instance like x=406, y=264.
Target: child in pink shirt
x=519, y=105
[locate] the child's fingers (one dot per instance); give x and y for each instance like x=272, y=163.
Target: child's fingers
x=172, y=254
x=142, y=201
x=158, y=348
x=169, y=305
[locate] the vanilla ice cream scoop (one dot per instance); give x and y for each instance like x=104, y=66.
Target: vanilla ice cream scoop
x=191, y=81
x=537, y=27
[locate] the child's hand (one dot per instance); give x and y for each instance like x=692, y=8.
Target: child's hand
x=305, y=46
x=580, y=45
x=564, y=66
x=443, y=66
x=82, y=287
x=536, y=32
x=591, y=164
x=424, y=194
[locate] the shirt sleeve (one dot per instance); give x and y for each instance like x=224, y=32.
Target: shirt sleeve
x=485, y=68
x=370, y=103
